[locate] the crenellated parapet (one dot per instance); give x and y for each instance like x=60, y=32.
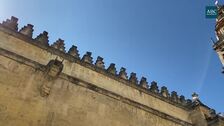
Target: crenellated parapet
x=99, y=63
x=144, y=83
x=87, y=60
x=73, y=51
x=43, y=38
x=154, y=88
x=27, y=30
x=11, y=23
x=112, y=69
x=123, y=73
x=133, y=78
x=164, y=92
x=59, y=45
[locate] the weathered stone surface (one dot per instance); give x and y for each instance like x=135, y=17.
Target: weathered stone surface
x=59, y=44
x=144, y=83
x=174, y=96
x=87, y=58
x=68, y=104
x=133, y=78
x=182, y=100
x=45, y=87
x=11, y=23
x=43, y=38
x=73, y=51
x=164, y=92
x=99, y=62
x=112, y=69
x=27, y=30
x=154, y=88
x=123, y=73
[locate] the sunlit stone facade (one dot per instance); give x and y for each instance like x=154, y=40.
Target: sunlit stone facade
x=43, y=85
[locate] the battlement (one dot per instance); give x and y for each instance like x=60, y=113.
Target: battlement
x=47, y=77
x=73, y=55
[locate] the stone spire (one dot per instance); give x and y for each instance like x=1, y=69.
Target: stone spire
x=43, y=38
x=11, y=23
x=73, y=51
x=144, y=83
x=123, y=73
x=133, y=78
x=59, y=44
x=27, y=30
x=112, y=69
x=87, y=58
x=154, y=87
x=99, y=62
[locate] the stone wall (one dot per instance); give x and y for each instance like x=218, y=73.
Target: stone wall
x=68, y=104
x=42, y=85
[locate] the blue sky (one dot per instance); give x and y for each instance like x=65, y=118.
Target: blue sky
x=164, y=40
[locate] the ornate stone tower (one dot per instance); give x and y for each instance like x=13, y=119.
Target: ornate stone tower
x=219, y=29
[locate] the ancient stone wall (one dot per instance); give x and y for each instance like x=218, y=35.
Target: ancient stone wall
x=69, y=103
x=43, y=85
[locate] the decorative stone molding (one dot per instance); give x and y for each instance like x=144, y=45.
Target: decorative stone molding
x=53, y=69
x=27, y=30
x=87, y=58
x=154, y=88
x=123, y=73
x=43, y=38
x=133, y=78
x=144, y=83
x=99, y=62
x=182, y=100
x=164, y=92
x=112, y=69
x=45, y=90
x=59, y=44
x=174, y=96
x=73, y=51
x=11, y=23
